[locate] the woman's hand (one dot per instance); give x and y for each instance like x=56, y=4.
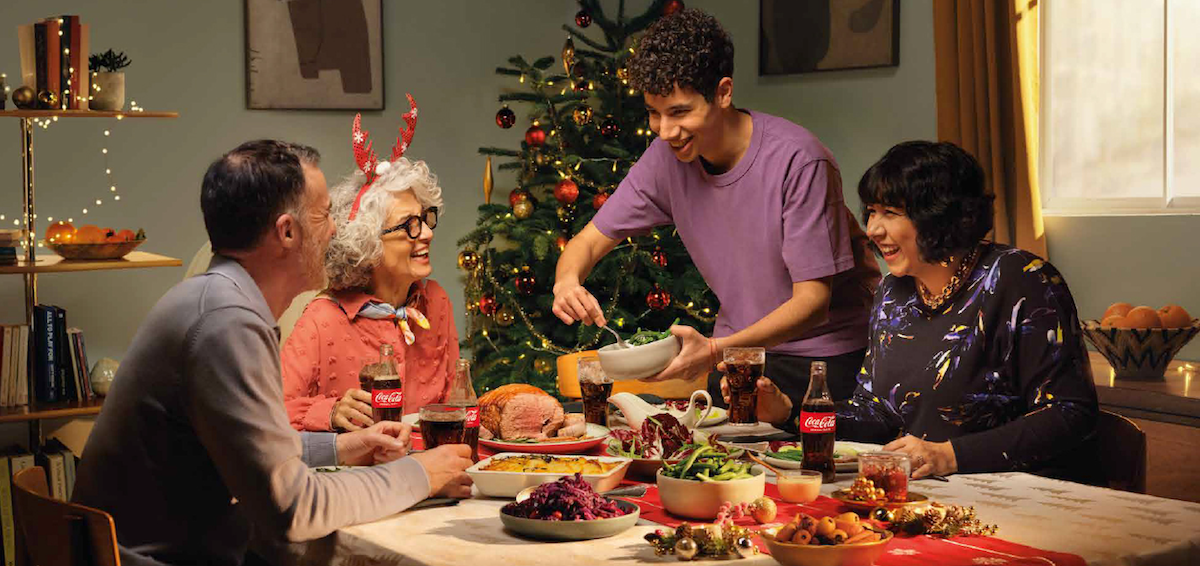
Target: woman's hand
x=693, y=360
x=928, y=458
x=352, y=411
x=773, y=406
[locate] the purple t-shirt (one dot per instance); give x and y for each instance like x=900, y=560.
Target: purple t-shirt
x=775, y=218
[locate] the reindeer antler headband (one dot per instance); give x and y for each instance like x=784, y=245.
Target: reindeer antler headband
x=365, y=157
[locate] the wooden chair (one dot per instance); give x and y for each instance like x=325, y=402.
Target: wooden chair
x=56, y=533
x=1122, y=446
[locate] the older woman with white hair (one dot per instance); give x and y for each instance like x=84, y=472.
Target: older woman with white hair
x=379, y=293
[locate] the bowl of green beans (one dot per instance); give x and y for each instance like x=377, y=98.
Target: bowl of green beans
x=648, y=353
x=699, y=485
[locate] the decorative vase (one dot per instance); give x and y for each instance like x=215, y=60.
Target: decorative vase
x=108, y=92
x=103, y=372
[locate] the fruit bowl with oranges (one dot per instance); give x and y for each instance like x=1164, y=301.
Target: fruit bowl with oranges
x=91, y=242
x=1139, y=342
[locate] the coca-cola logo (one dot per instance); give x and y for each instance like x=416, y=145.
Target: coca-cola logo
x=818, y=422
x=387, y=398
x=472, y=417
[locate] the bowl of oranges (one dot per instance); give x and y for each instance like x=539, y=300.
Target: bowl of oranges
x=1139, y=342
x=91, y=242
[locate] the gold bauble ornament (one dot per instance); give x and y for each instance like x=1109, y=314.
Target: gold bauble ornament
x=504, y=317
x=582, y=114
x=542, y=365
x=541, y=159
x=468, y=260
x=568, y=55
x=488, y=184
x=882, y=514
x=523, y=209
x=623, y=73
x=686, y=548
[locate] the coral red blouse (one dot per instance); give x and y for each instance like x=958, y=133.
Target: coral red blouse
x=330, y=344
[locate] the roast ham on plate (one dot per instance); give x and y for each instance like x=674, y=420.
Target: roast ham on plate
x=518, y=410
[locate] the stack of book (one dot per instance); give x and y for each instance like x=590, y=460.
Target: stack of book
x=59, y=358
x=10, y=241
x=59, y=464
x=14, y=365
x=54, y=61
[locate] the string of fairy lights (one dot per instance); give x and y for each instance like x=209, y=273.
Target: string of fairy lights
x=112, y=195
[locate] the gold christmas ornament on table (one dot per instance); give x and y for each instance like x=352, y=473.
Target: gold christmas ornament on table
x=568, y=55
x=488, y=184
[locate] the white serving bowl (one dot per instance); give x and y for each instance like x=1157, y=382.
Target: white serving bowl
x=508, y=484
x=697, y=499
x=637, y=362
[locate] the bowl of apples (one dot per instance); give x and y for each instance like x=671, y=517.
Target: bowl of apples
x=91, y=242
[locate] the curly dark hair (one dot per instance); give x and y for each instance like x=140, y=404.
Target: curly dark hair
x=688, y=48
x=941, y=189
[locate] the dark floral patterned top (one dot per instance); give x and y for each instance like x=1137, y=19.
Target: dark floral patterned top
x=1000, y=370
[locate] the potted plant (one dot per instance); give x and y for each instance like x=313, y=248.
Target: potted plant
x=108, y=82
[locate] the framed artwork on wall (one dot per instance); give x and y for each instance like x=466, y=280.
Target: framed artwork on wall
x=827, y=35
x=314, y=54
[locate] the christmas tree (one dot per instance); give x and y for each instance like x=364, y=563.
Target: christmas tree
x=587, y=128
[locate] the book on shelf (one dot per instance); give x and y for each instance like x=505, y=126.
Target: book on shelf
x=62, y=361
x=8, y=361
x=45, y=373
x=81, y=363
x=19, y=460
x=55, y=467
x=55, y=446
x=7, y=527
x=22, y=396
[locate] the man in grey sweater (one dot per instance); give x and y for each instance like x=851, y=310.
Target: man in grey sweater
x=193, y=451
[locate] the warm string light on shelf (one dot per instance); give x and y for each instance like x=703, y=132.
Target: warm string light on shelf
x=110, y=180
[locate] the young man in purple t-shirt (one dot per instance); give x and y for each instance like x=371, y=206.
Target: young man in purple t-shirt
x=757, y=201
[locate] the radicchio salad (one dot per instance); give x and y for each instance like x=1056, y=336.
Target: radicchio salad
x=662, y=436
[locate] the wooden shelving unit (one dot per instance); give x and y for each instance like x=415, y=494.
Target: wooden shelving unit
x=32, y=264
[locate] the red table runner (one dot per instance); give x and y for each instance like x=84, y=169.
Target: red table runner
x=902, y=551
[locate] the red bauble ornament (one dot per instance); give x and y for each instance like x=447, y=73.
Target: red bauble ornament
x=517, y=195
x=599, y=200
x=658, y=299
x=610, y=128
x=535, y=136
x=566, y=191
x=561, y=242
x=525, y=282
x=659, y=257
x=488, y=305
x=583, y=19
x=505, y=118
x=672, y=7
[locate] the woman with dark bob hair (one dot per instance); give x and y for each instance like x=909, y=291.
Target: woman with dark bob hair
x=975, y=361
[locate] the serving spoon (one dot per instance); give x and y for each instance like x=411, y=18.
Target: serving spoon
x=620, y=341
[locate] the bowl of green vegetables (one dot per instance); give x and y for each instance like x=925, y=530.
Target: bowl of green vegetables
x=648, y=353
x=699, y=485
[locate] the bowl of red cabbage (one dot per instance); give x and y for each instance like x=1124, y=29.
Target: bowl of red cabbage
x=648, y=353
x=568, y=509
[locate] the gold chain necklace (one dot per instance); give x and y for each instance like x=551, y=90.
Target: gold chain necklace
x=956, y=280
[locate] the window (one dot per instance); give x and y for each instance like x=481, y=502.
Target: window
x=1120, y=126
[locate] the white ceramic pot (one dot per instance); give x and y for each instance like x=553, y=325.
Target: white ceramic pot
x=108, y=92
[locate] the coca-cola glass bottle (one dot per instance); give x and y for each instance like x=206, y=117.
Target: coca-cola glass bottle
x=462, y=394
x=818, y=423
x=387, y=390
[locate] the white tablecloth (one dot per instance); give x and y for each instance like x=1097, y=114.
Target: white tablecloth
x=1101, y=525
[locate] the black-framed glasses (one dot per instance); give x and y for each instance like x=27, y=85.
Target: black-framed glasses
x=412, y=226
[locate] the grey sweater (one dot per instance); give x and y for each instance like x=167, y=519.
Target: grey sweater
x=195, y=418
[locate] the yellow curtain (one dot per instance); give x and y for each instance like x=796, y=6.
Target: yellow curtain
x=987, y=103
